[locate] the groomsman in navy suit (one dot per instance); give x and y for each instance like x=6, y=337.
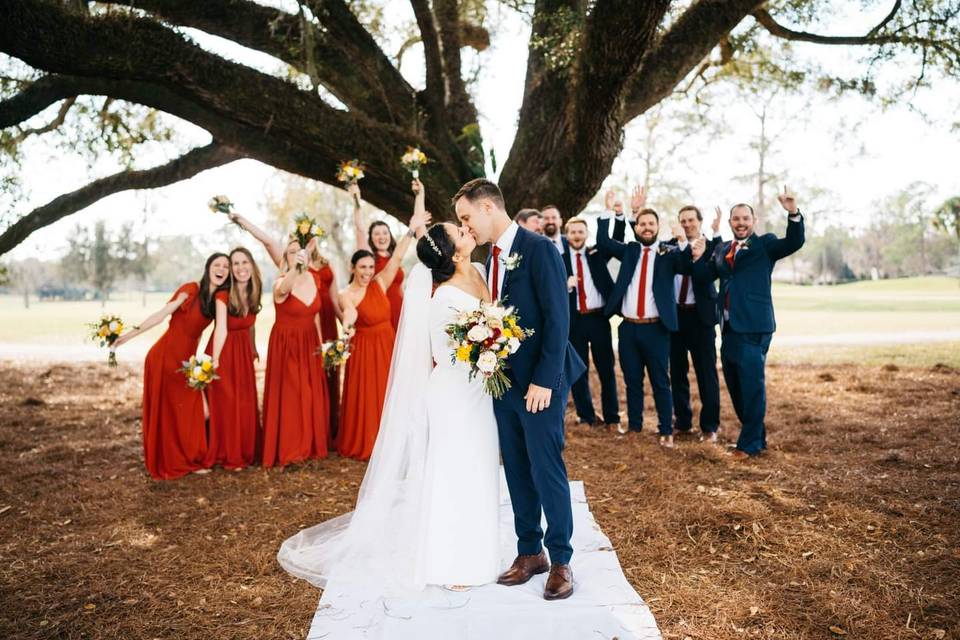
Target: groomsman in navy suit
x=590, y=284
x=696, y=318
x=745, y=309
x=643, y=296
x=551, y=226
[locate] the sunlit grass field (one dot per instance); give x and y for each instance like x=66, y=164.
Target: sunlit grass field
x=910, y=321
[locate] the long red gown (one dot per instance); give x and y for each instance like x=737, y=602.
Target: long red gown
x=394, y=291
x=174, y=434
x=328, y=327
x=234, y=414
x=365, y=378
x=295, y=406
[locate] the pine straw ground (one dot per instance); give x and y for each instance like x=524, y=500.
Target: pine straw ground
x=849, y=526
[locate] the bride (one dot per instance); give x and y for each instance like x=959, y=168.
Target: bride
x=427, y=510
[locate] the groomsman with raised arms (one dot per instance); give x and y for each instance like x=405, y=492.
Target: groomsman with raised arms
x=643, y=296
x=745, y=309
x=696, y=318
x=590, y=284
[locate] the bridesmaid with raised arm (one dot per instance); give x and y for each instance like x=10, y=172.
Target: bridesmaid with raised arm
x=174, y=433
x=234, y=412
x=366, y=316
x=378, y=241
x=329, y=309
x=295, y=406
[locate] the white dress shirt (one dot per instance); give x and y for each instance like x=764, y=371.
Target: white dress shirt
x=557, y=241
x=678, y=282
x=594, y=299
x=504, y=243
x=629, y=306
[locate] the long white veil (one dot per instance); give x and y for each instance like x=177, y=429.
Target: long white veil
x=377, y=541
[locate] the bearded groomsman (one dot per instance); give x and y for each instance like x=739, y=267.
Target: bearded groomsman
x=643, y=296
x=696, y=317
x=590, y=284
x=745, y=310
x=551, y=223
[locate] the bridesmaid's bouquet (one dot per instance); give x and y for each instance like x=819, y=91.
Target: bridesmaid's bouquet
x=199, y=372
x=350, y=172
x=335, y=353
x=223, y=204
x=484, y=338
x=412, y=160
x=305, y=229
x=106, y=333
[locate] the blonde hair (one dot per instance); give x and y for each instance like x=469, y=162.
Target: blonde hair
x=239, y=305
x=575, y=220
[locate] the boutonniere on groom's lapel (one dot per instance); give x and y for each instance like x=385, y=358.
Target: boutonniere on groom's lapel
x=512, y=261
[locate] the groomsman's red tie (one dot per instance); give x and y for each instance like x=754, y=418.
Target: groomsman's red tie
x=642, y=294
x=495, y=286
x=731, y=254
x=581, y=290
x=684, y=288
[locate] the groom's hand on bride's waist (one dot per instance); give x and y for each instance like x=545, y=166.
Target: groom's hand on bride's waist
x=538, y=398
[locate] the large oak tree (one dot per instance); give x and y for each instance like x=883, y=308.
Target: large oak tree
x=592, y=67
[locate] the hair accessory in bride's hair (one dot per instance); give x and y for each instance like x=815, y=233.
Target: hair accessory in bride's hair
x=433, y=245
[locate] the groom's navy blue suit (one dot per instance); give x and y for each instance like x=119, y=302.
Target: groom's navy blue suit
x=532, y=443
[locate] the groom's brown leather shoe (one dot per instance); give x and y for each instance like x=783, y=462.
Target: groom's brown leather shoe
x=524, y=568
x=559, y=583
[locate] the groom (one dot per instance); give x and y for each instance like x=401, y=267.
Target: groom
x=526, y=272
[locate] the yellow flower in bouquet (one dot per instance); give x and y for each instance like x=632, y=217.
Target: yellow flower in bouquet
x=305, y=228
x=199, y=372
x=106, y=332
x=335, y=353
x=350, y=172
x=412, y=160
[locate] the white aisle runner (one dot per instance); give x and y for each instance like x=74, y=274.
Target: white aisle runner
x=603, y=605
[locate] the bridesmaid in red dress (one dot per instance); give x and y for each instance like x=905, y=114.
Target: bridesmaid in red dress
x=174, y=434
x=366, y=315
x=329, y=310
x=295, y=407
x=234, y=412
x=378, y=240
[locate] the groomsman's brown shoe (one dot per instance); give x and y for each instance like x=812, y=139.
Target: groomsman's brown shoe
x=741, y=456
x=559, y=583
x=524, y=568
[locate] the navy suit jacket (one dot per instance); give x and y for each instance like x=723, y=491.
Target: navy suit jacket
x=704, y=291
x=665, y=267
x=597, y=265
x=748, y=282
x=537, y=288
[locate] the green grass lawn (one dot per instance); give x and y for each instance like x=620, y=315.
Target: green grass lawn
x=928, y=305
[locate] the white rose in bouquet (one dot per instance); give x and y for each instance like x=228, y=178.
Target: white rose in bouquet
x=497, y=312
x=487, y=362
x=478, y=333
x=513, y=345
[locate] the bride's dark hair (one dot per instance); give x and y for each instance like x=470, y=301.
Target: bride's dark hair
x=436, y=250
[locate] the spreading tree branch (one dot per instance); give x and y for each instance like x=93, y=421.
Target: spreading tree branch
x=345, y=58
x=186, y=166
x=36, y=97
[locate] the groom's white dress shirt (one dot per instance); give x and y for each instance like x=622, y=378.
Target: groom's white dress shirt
x=504, y=243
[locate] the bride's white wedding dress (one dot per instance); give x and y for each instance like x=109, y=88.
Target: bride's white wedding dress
x=459, y=538
x=433, y=509
x=428, y=509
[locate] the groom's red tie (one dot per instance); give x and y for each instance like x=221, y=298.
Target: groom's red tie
x=495, y=285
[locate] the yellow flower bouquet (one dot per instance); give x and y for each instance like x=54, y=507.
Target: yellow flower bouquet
x=350, y=172
x=335, y=353
x=412, y=160
x=199, y=372
x=106, y=333
x=305, y=229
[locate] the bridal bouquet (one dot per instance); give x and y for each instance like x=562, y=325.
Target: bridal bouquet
x=199, y=372
x=106, y=333
x=350, y=172
x=484, y=338
x=412, y=160
x=305, y=229
x=335, y=353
